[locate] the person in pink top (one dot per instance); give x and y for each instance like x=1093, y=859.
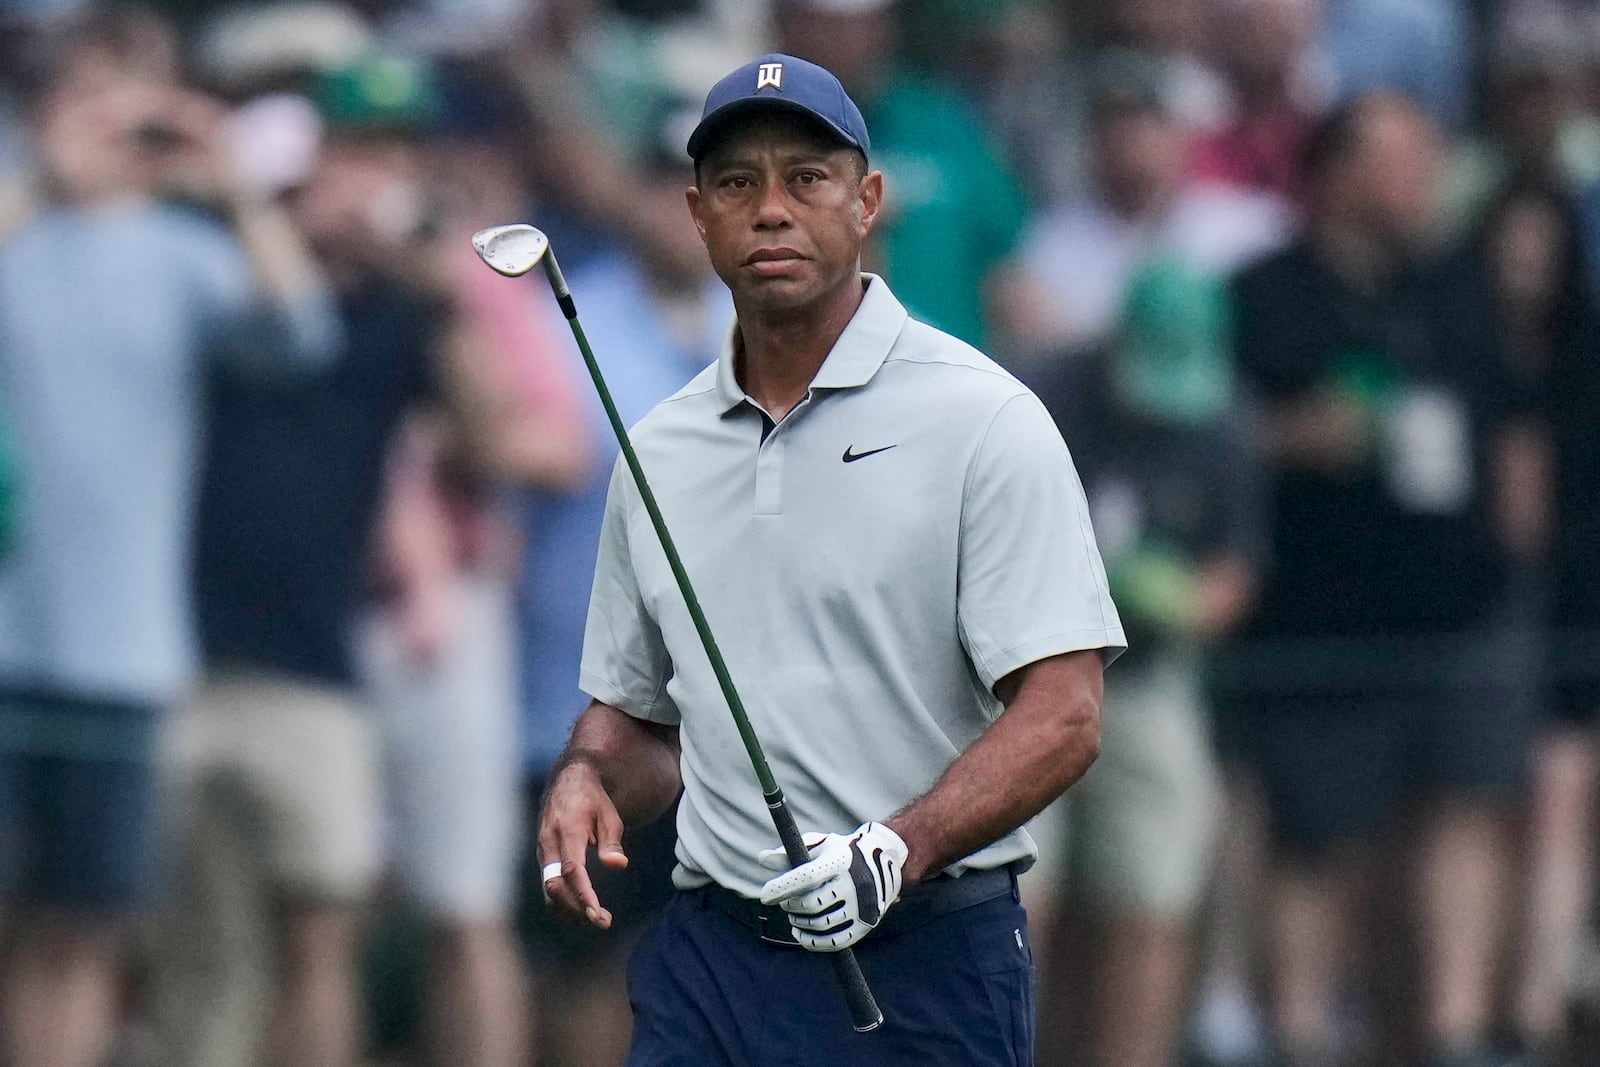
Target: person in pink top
x=437, y=648
x=1264, y=55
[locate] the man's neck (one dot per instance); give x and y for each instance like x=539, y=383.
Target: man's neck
x=1143, y=206
x=776, y=355
x=1361, y=260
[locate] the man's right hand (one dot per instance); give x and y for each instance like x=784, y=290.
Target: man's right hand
x=1326, y=432
x=578, y=813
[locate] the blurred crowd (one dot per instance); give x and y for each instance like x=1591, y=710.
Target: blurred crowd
x=299, y=502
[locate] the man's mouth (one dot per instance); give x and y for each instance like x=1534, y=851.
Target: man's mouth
x=772, y=260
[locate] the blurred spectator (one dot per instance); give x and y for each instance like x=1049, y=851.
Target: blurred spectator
x=617, y=68
x=1265, y=47
x=974, y=43
x=1531, y=239
x=261, y=48
x=1174, y=34
x=1391, y=424
x=276, y=761
x=1173, y=491
x=112, y=302
x=953, y=210
x=29, y=37
x=447, y=29
x=1537, y=119
x=1072, y=272
x=439, y=651
x=1028, y=73
x=1575, y=651
x=598, y=84
x=653, y=325
x=1041, y=92
x=1422, y=48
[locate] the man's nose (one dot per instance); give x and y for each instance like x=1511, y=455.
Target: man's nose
x=772, y=206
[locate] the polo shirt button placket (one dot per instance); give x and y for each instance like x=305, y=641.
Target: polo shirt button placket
x=769, y=466
x=769, y=476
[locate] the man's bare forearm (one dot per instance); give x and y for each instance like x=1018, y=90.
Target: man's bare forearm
x=548, y=448
x=637, y=761
x=284, y=267
x=1044, y=741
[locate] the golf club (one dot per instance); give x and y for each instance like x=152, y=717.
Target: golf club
x=513, y=251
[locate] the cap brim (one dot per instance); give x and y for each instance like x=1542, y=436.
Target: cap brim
x=715, y=126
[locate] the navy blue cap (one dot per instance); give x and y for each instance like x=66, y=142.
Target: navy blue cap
x=779, y=82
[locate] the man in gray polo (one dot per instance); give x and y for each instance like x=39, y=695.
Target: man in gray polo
x=889, y=539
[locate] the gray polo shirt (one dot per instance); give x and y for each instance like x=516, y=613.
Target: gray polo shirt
x=911, y=532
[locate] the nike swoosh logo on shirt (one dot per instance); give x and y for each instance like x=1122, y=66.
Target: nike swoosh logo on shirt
x=851, y=457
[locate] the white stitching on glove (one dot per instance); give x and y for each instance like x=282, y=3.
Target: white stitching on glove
x=838, y=897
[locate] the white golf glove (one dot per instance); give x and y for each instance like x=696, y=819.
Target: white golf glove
x=843, y=892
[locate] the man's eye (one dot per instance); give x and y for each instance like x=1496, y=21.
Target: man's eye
x=808, y=177
x=738, y=181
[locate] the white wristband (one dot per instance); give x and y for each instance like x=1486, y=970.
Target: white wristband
x=551, y=871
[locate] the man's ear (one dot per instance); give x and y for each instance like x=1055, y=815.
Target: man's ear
x=691, y=196
x=871, y=200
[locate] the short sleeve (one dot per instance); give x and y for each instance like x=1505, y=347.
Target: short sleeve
x=625, y=661
x=224, y=285
x=1030, y=582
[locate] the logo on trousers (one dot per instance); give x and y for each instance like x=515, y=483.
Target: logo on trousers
x=769, y=74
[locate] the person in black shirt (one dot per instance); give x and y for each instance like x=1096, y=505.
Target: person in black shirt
x=1172, y=481
x=1390, y=424
x=275, y=760
x=1532, y=238
x=293, y=484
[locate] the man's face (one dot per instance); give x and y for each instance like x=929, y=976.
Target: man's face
x=783, y=212
x=1139, y=158
x=1397, y=171
x=363, y=197
x=88, y=133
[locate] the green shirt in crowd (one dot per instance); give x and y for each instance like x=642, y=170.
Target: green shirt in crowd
x=952, y=208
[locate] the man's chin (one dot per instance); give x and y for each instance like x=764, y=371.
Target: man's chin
x=779, y=294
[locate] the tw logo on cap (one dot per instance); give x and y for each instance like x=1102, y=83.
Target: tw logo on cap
x=769, y=74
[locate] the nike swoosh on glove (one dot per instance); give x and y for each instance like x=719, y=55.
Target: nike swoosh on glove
x=842, y=893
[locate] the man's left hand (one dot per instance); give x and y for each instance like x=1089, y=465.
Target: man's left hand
x=837, y=898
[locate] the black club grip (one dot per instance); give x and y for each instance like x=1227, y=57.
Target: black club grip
x=865, y=1015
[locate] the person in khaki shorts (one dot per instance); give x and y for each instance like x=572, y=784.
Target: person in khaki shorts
x=1173, y=496
x=274, y=761
x=278, y=785
x=115, y=305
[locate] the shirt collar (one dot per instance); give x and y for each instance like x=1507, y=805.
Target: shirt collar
x=855, y=357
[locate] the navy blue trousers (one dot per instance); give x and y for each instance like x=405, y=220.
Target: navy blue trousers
x=707, y=992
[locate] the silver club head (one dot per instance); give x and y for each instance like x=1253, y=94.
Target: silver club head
x=511, y=250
